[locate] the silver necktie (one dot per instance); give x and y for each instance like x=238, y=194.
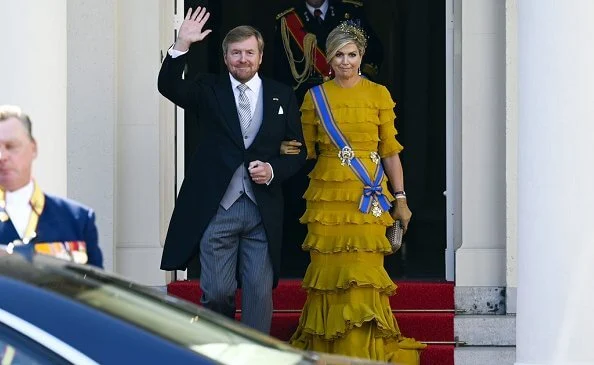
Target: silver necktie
x=245, y=112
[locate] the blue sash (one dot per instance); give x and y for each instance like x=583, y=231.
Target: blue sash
x=372, y=198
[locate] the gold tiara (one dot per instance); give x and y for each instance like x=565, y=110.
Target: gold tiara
x=355, y=31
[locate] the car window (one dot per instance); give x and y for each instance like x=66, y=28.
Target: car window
x=17, y=349
x=177, y=321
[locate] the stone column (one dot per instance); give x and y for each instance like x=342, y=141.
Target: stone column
x=93, y=100
x=556, y=197
x=480, y=57
x=33, y=76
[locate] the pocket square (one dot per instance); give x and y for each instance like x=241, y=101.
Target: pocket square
x=280, y=110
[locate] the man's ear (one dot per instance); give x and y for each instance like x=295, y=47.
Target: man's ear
x=34, y=148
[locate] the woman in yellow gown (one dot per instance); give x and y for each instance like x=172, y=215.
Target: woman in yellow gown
x=347, y=309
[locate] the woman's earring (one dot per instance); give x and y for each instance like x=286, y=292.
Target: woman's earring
x=359, y=71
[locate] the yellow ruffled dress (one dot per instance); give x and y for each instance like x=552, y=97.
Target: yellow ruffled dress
x=347, y=310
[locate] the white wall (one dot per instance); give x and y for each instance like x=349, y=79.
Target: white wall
x=556, y=135
x=113, y=107
x=33, y=76
x=92, y=118
x=480, y=260
x=138, y=184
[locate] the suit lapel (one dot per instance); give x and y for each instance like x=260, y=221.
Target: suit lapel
x=226, y=100
x=7, y=232
x=268, y=108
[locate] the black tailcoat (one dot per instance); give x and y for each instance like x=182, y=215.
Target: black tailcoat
x=220, y=150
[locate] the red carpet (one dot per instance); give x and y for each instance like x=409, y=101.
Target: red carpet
x=424, y=310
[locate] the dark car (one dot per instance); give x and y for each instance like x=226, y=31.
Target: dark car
x=57, y=312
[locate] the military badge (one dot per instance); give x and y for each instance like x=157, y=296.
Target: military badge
x=78, y=251
x=75, y=251
x=54, y=249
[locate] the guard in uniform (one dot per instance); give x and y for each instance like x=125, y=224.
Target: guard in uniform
x=30, y=220
x=300, y=61
x=300, y=42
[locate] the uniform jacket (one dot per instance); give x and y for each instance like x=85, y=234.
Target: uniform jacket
x=220, y=150
x=61, y=220
x=338, y=11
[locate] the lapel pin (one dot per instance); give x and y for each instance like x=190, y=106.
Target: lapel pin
x=275, y=99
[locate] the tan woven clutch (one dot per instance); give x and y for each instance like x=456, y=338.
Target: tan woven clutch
x=394, y=234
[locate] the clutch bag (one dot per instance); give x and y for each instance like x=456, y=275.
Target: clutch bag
x=394, y=234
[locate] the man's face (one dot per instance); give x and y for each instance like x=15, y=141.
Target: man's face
x=17, y=152
x=315, y=3
x=243, y=59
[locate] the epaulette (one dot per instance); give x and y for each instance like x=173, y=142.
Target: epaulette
x=282, y=14
x=353, y=2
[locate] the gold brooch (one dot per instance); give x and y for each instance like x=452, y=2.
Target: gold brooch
x=376, y=210
x=346, y=154
x=375, y=157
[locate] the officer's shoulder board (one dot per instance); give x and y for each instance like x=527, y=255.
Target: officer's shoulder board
x=283, y=13
x=353, y=2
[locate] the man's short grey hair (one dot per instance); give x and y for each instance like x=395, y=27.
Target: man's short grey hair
x=13, y=111
x=241, y=33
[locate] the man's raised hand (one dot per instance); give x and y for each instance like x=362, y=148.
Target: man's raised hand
x=190, y=30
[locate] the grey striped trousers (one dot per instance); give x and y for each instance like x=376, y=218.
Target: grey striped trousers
x=234, y=245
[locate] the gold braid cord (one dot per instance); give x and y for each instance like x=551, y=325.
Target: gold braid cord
x=309, y=45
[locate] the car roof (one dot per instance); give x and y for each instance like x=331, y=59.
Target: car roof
x=24, y=283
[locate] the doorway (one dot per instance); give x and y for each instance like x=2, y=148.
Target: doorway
x=413, y=36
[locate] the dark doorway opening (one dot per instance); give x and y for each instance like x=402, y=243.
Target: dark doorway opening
x=413, y=36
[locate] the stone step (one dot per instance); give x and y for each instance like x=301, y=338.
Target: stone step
x=484, y=355
x=485, y=330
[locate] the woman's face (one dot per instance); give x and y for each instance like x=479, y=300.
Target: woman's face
x=346, y=62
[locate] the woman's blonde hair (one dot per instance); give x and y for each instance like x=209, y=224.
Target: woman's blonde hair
x=345, y=33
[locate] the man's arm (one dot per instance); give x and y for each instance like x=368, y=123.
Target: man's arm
x=170, y=82
x=92, y=241
x=285, y=166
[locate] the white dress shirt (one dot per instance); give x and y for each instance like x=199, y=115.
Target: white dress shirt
x=18, y=207
x=323, y=9
x=253, y=91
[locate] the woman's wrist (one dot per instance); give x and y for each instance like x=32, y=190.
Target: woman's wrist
x=400, y=194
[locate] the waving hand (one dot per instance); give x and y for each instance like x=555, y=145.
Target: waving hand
x=191, y=29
